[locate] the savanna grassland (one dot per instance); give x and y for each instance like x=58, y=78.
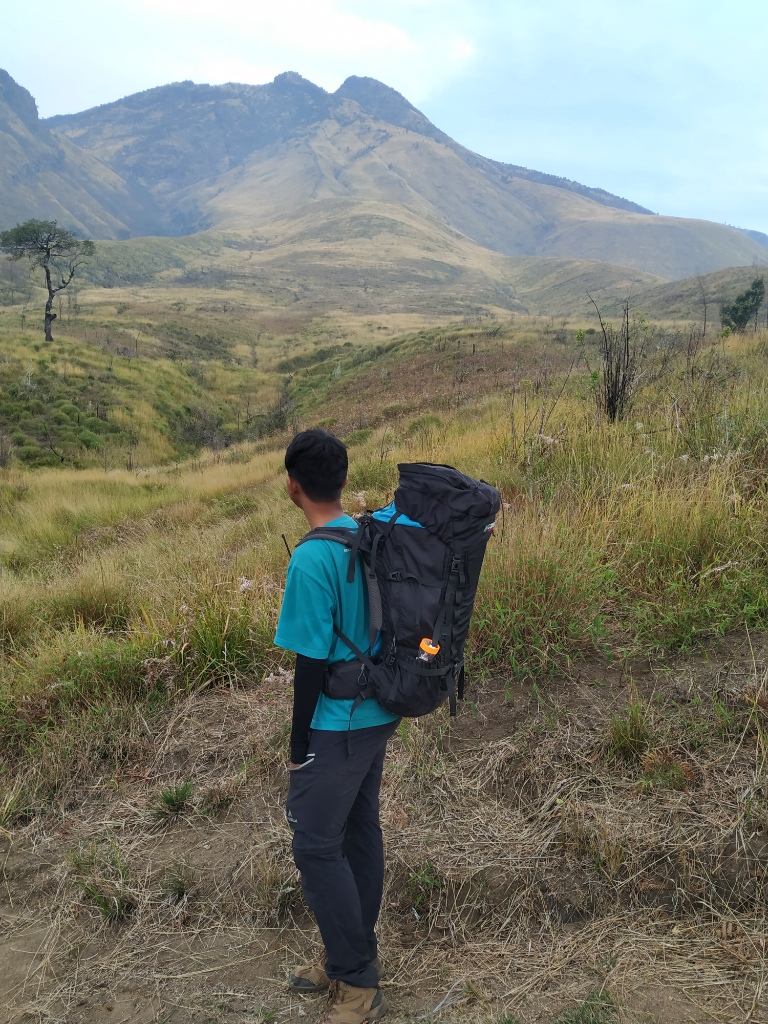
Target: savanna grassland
x=586, y=842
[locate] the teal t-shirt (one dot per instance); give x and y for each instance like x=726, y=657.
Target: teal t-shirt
x=317, y=597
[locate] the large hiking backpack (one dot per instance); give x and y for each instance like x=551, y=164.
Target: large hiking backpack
x=422, y=559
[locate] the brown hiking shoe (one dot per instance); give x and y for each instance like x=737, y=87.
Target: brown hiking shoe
x=309, y=979
x=349, y=1005
x=312, y=978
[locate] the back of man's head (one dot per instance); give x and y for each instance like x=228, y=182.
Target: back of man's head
x=317, y=461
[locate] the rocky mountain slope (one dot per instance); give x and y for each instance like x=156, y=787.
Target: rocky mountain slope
x=45, y=175
x=288, y=160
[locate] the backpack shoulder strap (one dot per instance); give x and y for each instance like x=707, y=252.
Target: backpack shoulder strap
x=341, y=535
x=351, y=539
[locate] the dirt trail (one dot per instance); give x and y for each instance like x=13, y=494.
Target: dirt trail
x=527, y=865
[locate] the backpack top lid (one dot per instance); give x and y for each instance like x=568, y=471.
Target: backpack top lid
x=449, y=504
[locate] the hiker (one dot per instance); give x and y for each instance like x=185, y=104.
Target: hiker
x=373, y=642
x=337, y=757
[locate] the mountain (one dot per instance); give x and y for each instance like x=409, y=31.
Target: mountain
x=684, y=299
x=757, y=236
x=46, y=176
x=288, y=163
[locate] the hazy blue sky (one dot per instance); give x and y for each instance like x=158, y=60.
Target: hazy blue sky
x=662, y=101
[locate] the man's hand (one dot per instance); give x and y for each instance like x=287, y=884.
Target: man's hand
x=291, y=766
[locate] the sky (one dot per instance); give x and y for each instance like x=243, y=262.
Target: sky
x=664, y=102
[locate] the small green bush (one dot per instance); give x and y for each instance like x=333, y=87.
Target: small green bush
x=178, y=880
x=664, y=770
x=223, y=641
x=357, y=437
x=630, y=732
x=171, y=802
x=104, y=877
x=422, y=885
x=423, y=425
x=597, y=1008
x=89, y=440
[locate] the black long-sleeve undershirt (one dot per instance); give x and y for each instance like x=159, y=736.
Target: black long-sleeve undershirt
x=307, y=684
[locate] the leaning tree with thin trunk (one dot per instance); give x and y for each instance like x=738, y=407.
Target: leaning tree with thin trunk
x=56, y=251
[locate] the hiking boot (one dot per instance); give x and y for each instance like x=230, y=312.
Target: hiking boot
x=309, y=979
x=312, y=978
x=349, y=1005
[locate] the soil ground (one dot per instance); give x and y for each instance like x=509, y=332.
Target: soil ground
x=527, y=865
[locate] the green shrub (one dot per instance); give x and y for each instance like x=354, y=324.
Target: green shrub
x=88, y=439
x=171, y=802
x=223, y=642
x=423, y=425
x=104, y=877
x=422, y=886
x=357, y=437
x=630, y=732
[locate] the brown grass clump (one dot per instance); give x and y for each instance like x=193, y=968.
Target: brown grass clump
x=663, y=769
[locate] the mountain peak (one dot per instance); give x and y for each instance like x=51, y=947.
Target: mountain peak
x=294, y=78
x=371, y=92
x=187, y=156
x=387, y=104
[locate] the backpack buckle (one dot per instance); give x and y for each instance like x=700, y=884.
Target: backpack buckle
x=395, y=577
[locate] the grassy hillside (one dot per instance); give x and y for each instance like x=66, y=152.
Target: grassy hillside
x=142, y=375
x=596, y=789
x=354, y=259
x=47, y=176
x=684, y=300
x=702, y=475
x=155, y=377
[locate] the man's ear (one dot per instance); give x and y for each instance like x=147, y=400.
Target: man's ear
x=294, y=489
x=346, y=481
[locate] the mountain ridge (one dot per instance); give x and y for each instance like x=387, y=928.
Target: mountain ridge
x=185, y=157
x=374, y=97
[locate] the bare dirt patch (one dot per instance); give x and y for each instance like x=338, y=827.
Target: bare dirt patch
x=530, y=861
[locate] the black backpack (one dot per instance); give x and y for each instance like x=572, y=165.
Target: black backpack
x=421, y=586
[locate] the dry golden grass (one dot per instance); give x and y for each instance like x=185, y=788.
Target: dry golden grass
x=521, y=863
x=540, y=858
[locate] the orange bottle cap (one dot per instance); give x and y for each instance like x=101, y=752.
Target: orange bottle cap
x=426, y=645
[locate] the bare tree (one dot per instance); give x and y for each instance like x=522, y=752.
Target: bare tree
x=55, y=250
x=622, y=352
x=704, y=301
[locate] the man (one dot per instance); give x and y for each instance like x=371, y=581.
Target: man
x=336, y=756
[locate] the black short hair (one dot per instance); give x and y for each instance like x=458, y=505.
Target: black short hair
x=318, y=462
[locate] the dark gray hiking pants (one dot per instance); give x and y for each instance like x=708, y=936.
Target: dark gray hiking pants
x=333, y=809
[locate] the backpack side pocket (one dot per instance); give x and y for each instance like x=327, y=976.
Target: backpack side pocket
x=401, y=690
